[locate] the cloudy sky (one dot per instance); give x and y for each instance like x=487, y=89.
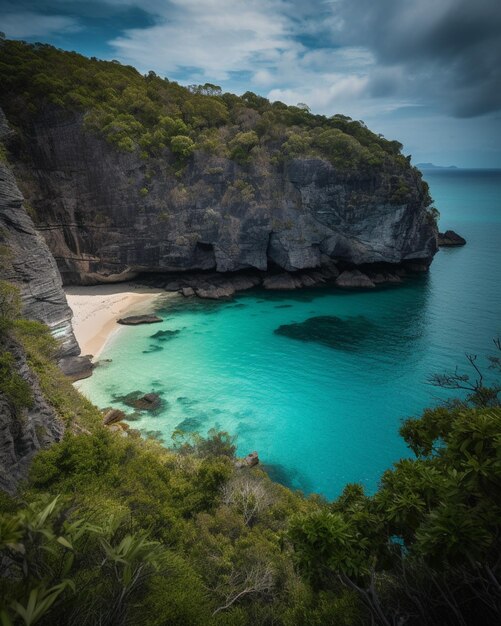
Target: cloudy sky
x=425, y=72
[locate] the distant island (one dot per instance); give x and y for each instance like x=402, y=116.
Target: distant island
x=432, y=166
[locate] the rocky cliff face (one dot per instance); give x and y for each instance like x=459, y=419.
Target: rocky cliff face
x=27, y=262
x=23, y=433
x=107, y=215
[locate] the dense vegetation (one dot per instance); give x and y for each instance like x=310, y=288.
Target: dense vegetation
x=113, y=529
x=151, y=114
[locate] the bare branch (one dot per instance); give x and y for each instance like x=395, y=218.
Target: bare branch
x=259, y=579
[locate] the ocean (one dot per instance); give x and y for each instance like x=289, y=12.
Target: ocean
x=322, y=399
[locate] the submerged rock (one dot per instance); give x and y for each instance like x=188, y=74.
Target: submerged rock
x=450, y=238
x=165, y=335
x=112, y=416
x=141, y=402
x=354, y=279
x=332, y=331
x=135, y=320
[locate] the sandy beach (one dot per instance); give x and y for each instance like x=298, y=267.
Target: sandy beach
x=97, y=308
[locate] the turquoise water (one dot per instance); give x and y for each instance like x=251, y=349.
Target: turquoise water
x=322, y=408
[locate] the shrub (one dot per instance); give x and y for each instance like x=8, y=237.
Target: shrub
x=12, y=385
x=10, y=305
x=182, y=145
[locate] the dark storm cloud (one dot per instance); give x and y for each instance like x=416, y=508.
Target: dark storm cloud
x=448, y=51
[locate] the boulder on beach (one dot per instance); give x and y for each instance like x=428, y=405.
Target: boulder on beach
x=76, y=367
x=216, y=292
x=450, y=238
x=135, y=320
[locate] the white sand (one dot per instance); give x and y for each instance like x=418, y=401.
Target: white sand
x=97, y=308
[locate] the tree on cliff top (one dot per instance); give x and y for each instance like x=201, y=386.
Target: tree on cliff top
x=129, y=110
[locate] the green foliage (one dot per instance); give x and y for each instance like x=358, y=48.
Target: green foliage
x=325, y=543
x=54, y=557
x=217, y=443
x=177, y=498
x=10, y=305
x=150, y=115
x=241, y=146
x=182, y=145
x=13, y=386
x=343, y=151
x=297, y=144
x=41, y=349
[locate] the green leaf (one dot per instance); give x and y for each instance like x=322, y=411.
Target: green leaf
x=64, y=542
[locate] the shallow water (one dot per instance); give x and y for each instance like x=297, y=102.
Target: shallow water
x=318, y=381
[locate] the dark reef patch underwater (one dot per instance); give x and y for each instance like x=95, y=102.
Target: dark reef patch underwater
x=332, y=331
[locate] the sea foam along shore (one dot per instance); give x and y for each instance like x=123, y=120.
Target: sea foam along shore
x=96, y=309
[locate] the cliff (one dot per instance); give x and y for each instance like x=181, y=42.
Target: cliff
x=129, y=173
x=26, y=261
x=27, y=429
x=107, y=215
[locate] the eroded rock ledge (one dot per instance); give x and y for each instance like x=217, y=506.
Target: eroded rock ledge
x=216, y=286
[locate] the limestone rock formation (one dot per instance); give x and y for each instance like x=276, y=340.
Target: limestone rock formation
x=23, y=433
x=27, y=262
x=108, y=215
x=77, y=367
x=281, y=282
x=353, y=279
